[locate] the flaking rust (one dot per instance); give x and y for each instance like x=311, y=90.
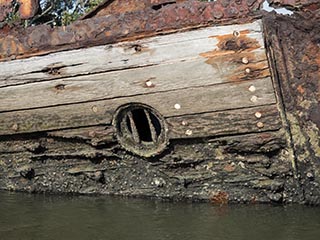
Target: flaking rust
x=126, y=25
x=27, y=8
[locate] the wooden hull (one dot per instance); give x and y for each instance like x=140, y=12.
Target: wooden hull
x=191, y=115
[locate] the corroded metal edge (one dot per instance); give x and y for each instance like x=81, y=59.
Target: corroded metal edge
x=42, y=39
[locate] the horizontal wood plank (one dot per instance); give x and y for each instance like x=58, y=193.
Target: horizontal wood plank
x=145, y=52
x=131, y=82
x=171, y=103
x=232, y=122
x=239, y=121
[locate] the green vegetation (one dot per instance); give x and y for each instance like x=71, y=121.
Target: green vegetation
x=53, y=12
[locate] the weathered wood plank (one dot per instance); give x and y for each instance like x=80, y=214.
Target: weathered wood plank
x=189, y=101
x=130, y=82
x=95, y=135
x=240, y=121
x=156, y=50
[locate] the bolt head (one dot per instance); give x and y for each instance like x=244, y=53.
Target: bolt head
x=260, y=125
x=245, y=60
x=189, y=132
x=254, y=99
x=258, y=114
x=149, y=83
x=177, y=106
x=252, y=88
x=184, y=123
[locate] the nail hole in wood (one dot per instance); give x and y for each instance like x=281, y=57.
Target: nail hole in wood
x=60, y=87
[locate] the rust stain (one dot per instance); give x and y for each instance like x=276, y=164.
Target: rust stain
x=28, y=8
x=235, y=54
x=5, y=8
x=300, y=89
x=237, y=42
x=229, y=168
x=141, y=22
x=256, y=70
x=219, y=197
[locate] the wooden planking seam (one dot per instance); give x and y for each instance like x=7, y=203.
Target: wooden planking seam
x=125, y=83
x=215, y=98
x=89, y=55
x=225, y=123
x=64, y=69
x=257, y=119
x=126, y=95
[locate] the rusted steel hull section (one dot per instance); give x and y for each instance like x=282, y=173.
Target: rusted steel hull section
x=295, y=52
x=27, y=8
x=41, y=40
x=305, y=5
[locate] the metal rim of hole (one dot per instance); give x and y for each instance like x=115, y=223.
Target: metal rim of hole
x=141, y=129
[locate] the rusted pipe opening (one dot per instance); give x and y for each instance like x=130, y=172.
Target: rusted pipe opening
x=141, y=129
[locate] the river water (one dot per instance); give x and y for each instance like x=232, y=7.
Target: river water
x=33, y=217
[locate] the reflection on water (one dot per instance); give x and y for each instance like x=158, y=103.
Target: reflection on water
x=32, y=217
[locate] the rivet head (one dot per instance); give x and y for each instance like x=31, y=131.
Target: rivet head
x=254, y=99
x=149, y=83
x=258, y=114
x=260, y=125
x=184, y=123
x=252, y=88
x=94, y=109
x=189, y=132
x=245, y=60
x=248, y=70
x=15, y=127
x=177, y=106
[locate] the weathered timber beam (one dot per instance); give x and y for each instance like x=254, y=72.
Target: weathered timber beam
x=143, y=80
x=209, y=98
x=210, y=45
x=241, y=121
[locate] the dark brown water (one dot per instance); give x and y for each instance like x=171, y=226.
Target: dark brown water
x=33, y=217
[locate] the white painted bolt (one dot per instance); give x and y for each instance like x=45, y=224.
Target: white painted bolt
x=189, y=132
x=149, y=83
x=258, y=114
x=252, y=88
x=260, y=125
x=184, y=123
x=177, y=106
x=15, y=127
x=254, y=99
x=248, y=70
x=245, y=60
